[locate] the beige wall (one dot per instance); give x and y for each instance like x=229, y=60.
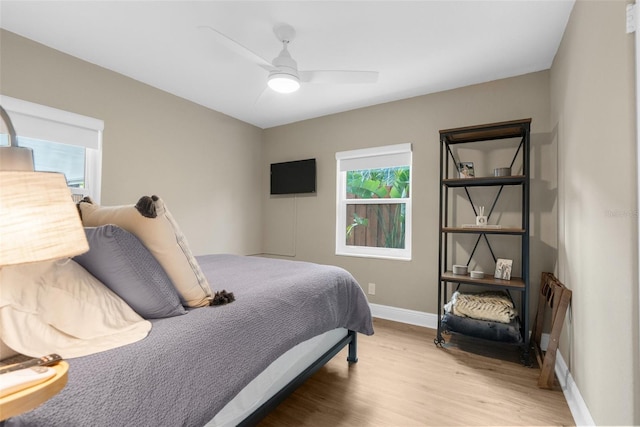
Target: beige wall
x=205, y=165
x=305, y=226
x=592, y=117
x=583, y=218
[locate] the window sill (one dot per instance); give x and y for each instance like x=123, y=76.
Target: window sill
x=376, y=256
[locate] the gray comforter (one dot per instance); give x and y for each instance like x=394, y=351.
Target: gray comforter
x=190, y=366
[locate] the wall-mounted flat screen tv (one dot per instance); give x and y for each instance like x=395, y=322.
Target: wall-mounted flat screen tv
x=293, y=177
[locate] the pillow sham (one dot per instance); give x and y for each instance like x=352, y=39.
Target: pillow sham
x=59, y=307
x=151, y=222
x=121, y=262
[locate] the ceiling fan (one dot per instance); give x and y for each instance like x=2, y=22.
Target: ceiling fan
x=284, y=76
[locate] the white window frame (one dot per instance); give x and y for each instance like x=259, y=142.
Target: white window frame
x=41, y=122
x=372, y=158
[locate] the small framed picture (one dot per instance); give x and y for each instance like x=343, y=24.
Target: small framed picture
x=465, y=169
x=503, y=269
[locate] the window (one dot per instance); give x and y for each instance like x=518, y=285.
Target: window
x=61, y=142
x=373, y=217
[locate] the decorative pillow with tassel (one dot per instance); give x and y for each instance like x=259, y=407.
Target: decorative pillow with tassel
x=151, y=222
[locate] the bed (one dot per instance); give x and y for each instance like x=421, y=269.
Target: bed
x=189, y=368
x=221, y=365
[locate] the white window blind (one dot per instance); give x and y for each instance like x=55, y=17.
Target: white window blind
x=372, y=158
x=51, y=124
x=48, y=130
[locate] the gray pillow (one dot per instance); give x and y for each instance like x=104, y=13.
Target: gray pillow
x=119, y=260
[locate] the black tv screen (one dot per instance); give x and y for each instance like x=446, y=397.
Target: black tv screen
x=293, y=177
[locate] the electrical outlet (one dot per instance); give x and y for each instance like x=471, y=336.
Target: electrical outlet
x=372, y=288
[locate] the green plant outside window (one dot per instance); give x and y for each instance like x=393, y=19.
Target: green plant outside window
x=377, y=224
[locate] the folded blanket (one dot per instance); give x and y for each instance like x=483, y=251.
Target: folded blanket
x=489, y=305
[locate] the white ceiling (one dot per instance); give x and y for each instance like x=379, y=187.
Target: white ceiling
x=418, y=47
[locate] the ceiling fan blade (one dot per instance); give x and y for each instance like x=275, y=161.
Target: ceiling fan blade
x=262, y=94
x=241, y=50
x=339, y=77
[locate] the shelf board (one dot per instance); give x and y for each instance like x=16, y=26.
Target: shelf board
x=492, y=131
x=514, y=283
x=484, y=181
x=474, y=230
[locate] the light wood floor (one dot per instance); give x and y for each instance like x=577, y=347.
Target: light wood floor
x=403, y=379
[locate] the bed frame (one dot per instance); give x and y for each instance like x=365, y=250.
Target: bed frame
x=280, y=396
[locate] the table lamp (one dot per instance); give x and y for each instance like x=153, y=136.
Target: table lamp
x=38, y=219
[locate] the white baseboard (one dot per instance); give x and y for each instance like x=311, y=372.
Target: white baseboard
x=404, y=315
x=577, y=406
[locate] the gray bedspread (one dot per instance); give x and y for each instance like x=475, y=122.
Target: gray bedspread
x=190, y=366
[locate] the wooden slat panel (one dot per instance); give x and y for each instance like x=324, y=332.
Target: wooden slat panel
x=555, y=296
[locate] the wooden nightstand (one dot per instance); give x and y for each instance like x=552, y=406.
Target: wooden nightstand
x=29, y=398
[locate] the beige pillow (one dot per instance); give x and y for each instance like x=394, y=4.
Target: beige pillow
x=161, y=235
x=59, y=307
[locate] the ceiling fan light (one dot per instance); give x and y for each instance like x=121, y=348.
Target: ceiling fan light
x=283, y=82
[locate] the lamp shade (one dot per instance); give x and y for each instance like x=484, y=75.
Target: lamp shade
x=38, y=219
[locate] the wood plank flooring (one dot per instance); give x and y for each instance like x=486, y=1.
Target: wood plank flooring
x=403, y=379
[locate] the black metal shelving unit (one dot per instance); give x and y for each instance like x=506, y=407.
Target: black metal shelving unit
x=447, y=281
